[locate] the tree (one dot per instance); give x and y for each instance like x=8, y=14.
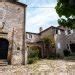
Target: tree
x=48, y=41
x=66, y=8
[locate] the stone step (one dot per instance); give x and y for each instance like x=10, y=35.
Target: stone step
x=3, y=62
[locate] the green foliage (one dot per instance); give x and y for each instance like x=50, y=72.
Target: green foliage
x=32, y=60
x=48, y=41
x=70, y=23
x=66, y=8
x=34, y=54
x=51, y=56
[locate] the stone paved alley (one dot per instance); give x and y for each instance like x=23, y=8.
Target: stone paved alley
x=42, y=67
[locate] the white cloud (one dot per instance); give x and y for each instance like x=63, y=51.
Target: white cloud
x=41, y=17
x=40, y=13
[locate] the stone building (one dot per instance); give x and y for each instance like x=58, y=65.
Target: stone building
x=12, y=32
x=63, y=38
x=69, y=39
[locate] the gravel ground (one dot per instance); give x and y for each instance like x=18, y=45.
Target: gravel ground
x=42, y=67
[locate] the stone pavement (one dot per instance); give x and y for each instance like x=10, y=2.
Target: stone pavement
x=42, y=67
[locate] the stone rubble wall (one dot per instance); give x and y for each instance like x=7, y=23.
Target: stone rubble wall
x=12, y=15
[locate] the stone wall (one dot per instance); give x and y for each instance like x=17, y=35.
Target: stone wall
x=35, y=37
x=12, y=16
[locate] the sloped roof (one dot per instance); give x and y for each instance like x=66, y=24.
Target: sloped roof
x=46, y=30
x=52, y=28
x=15, y=2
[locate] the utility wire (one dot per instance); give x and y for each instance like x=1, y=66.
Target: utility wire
x=40, y=7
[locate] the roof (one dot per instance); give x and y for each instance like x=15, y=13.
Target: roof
x=52, y=27
x=46, y=30
x=32, y=33
x=16, y=2
x=19, y=3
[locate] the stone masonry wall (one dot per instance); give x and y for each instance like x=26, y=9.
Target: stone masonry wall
x=12, y=16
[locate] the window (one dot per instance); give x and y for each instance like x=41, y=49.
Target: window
x=69, y=31
x=30, y=35
x=59, y=31
x=56, y=31
x=59, y=46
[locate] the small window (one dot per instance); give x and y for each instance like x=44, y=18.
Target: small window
x=59, y=31
x=59, y=45
x=66, y=32
x=69, y=31
x=30, y=35
x=56, y=31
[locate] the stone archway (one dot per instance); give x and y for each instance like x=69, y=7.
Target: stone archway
x=4, y=44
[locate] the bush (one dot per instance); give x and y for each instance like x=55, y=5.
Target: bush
x=34, y=54
x=32, y=60
x=51, y=56
x=54, y=56
x=58, y=55
x=66, y=53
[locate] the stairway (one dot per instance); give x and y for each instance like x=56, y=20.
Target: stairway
x=3, y=62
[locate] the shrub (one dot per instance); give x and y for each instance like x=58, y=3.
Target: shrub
x=34, y=54
x=30, y=60
x=51, y=56
x=58, y=55
x=66, y=53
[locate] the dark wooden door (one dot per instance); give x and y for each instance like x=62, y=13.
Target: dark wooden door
x=3, y=48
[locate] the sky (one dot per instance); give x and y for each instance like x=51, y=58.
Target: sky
x=40, y=13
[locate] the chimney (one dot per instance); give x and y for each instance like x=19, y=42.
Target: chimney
x=40, y=29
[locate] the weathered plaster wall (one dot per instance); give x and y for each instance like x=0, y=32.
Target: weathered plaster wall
x=60, y=42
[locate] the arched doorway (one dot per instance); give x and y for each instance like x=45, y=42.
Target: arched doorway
x=4, y=44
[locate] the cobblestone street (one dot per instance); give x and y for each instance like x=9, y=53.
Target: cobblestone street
x=42, y=67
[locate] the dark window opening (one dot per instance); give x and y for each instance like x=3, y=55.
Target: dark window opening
x=56, y=31
x=69, y=31
x=30, y=35
x=3, y=48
